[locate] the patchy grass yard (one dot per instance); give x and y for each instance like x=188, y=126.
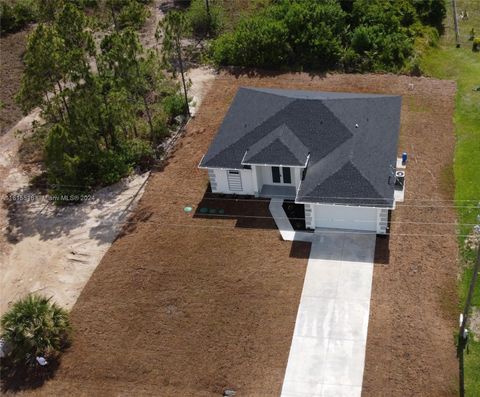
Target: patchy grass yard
x=463, y=65
x=183, y=305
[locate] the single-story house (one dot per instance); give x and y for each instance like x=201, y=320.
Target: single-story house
x=336, y=153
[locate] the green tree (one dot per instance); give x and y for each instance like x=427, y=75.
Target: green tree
x=204, y=18
x=431, y=12
x=43, y=70
x=122, y=56
x=56, y=54
x=47, y=9
x=170, y=32
x=35, y=326
x=127, y=13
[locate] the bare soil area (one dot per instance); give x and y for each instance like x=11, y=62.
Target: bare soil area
x=42, y=248
x=12, y=47
x=183, y=305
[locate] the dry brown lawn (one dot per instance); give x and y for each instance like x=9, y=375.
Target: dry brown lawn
x=183, y=306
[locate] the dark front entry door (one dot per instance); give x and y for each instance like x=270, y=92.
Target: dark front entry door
x=287, y=178
x=281, y=175
x=276, y=175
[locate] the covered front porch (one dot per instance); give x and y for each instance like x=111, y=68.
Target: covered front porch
x=278, y=191
x=276, y=181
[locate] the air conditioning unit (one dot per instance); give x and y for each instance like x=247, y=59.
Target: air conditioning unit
x=399, y=179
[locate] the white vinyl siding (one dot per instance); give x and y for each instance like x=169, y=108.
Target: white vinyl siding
x=223, y=182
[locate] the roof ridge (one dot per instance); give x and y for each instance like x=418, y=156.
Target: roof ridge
x=364, y=177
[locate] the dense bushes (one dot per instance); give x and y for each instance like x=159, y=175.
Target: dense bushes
x=131, y=14
x=363, y=35
x=14, y=16
x=297, y=34
x=257, y=41
x=202, y=23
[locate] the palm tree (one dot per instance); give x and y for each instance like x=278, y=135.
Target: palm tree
x=35, y=326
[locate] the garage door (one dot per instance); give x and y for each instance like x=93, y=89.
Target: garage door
x=345, y=217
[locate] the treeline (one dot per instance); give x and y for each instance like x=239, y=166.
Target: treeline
x=349, y=35
x=15, y=15
x=106, y=105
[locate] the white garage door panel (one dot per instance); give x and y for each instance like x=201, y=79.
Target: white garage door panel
x=345, y=217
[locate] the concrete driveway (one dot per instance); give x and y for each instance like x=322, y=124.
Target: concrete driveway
x=327, y=354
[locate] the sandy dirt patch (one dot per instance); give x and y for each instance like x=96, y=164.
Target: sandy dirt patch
x=43, y=248
x=183, y=305
x=54, y=250
x=47, y=249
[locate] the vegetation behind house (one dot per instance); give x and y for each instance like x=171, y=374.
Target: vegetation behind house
x=106, y=105
x=362, y=35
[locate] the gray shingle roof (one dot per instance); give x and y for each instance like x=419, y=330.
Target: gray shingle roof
x=351, y=138
x=279, y=147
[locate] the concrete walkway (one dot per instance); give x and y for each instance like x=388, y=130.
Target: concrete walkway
x=283, y=224
x=327, y=354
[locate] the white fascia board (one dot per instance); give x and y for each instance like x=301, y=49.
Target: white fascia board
x=216, y=168
x=273, y=165
x=342, y=205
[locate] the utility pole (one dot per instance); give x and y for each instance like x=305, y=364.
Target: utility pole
x=455, y=23
x=463, y=336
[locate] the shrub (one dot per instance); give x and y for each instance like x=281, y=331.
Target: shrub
x=140, y=153
x=25, y=12
x=174, y=105
x=200, y=23
x=476, y=44
x=7, y=18
x=315, y=32
x=133, y=14
x=258, y=41
x=35, y=326
x=15, y=17
x=431, y=12
x=160, y=127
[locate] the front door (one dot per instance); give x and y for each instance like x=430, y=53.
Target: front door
x=281, y=175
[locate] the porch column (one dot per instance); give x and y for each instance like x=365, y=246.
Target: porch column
x=256, y=188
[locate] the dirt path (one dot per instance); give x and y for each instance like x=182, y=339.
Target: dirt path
x=12, y=47
x=52, y=251
x=47, y=249
x=188, y=306
x=200, y=77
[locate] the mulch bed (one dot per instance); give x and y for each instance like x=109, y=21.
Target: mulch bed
x=183, y=305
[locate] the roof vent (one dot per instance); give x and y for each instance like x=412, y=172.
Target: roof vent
x=356, y=125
